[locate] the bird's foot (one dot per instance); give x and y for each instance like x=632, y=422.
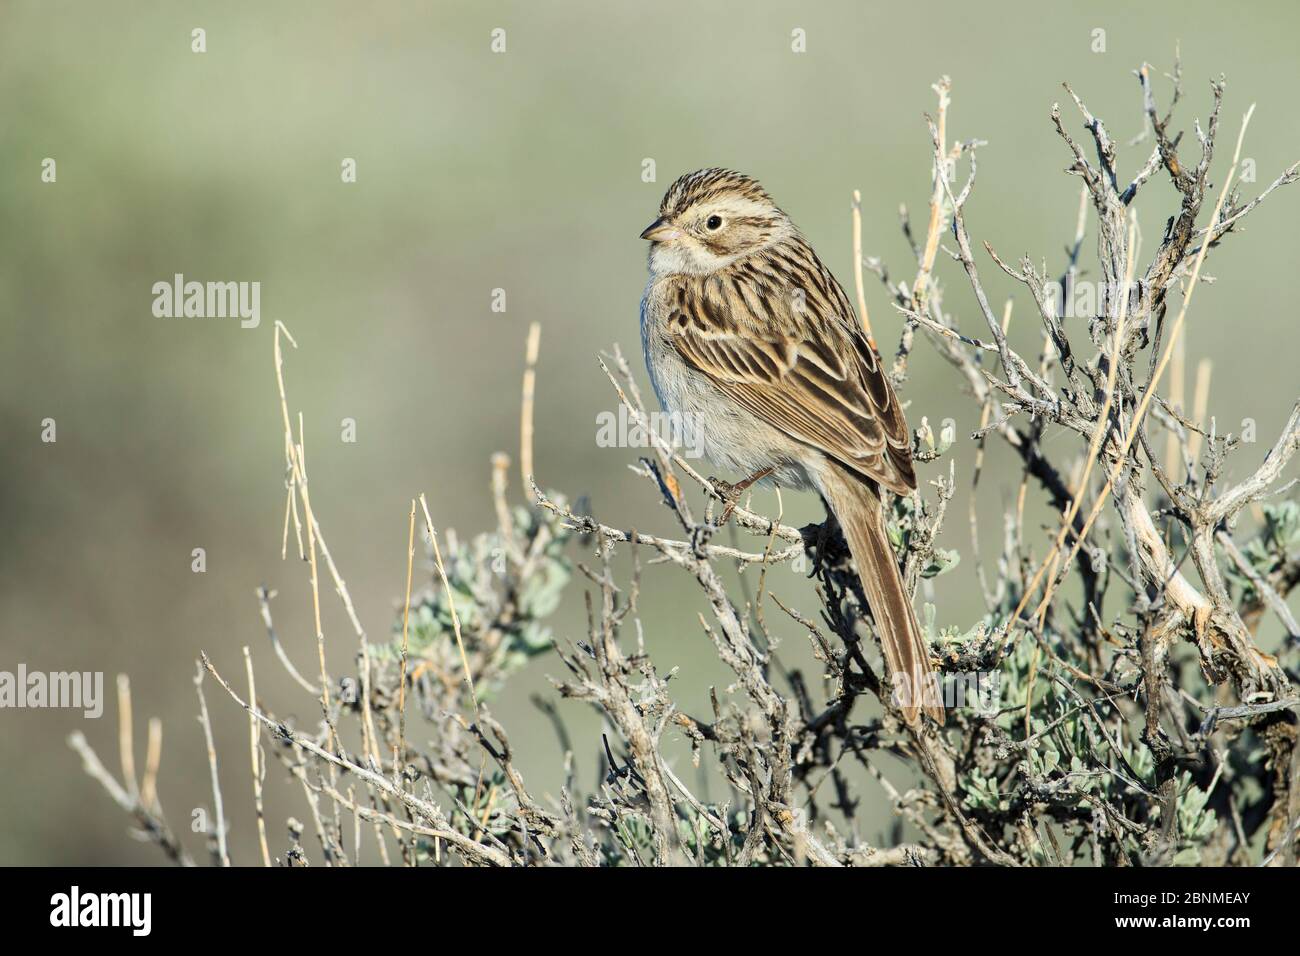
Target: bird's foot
x=730, y=493
x=819, y=549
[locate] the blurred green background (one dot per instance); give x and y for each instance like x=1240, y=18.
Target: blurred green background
x=477, y=171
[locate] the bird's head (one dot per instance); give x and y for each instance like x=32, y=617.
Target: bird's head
x=709, y=219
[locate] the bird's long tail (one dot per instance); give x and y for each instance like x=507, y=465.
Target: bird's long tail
x=856, y=504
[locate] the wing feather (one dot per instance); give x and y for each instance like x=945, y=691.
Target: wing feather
x=812, y=375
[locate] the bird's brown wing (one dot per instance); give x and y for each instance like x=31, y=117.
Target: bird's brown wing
x=798, y=361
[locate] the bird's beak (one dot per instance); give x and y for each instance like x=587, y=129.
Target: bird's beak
x=659, y=231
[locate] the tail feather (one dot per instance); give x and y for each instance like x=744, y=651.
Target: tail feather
x=856, y=504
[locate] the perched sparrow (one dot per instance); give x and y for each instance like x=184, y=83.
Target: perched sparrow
x=750, y=339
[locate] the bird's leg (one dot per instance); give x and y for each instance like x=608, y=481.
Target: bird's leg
x=823, y=536
x=730, y=493
x=823, y=540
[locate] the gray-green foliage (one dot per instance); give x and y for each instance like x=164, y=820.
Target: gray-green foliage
x=1276, y=546
x=503, y=592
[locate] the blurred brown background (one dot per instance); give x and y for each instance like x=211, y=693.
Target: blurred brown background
x=476, y=171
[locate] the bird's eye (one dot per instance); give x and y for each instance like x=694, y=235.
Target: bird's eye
x=715, y=222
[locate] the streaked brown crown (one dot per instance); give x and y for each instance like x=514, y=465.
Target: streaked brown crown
x=704, y=184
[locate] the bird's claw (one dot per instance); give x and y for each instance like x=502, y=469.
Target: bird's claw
x=819, y=548
x=730, y=494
